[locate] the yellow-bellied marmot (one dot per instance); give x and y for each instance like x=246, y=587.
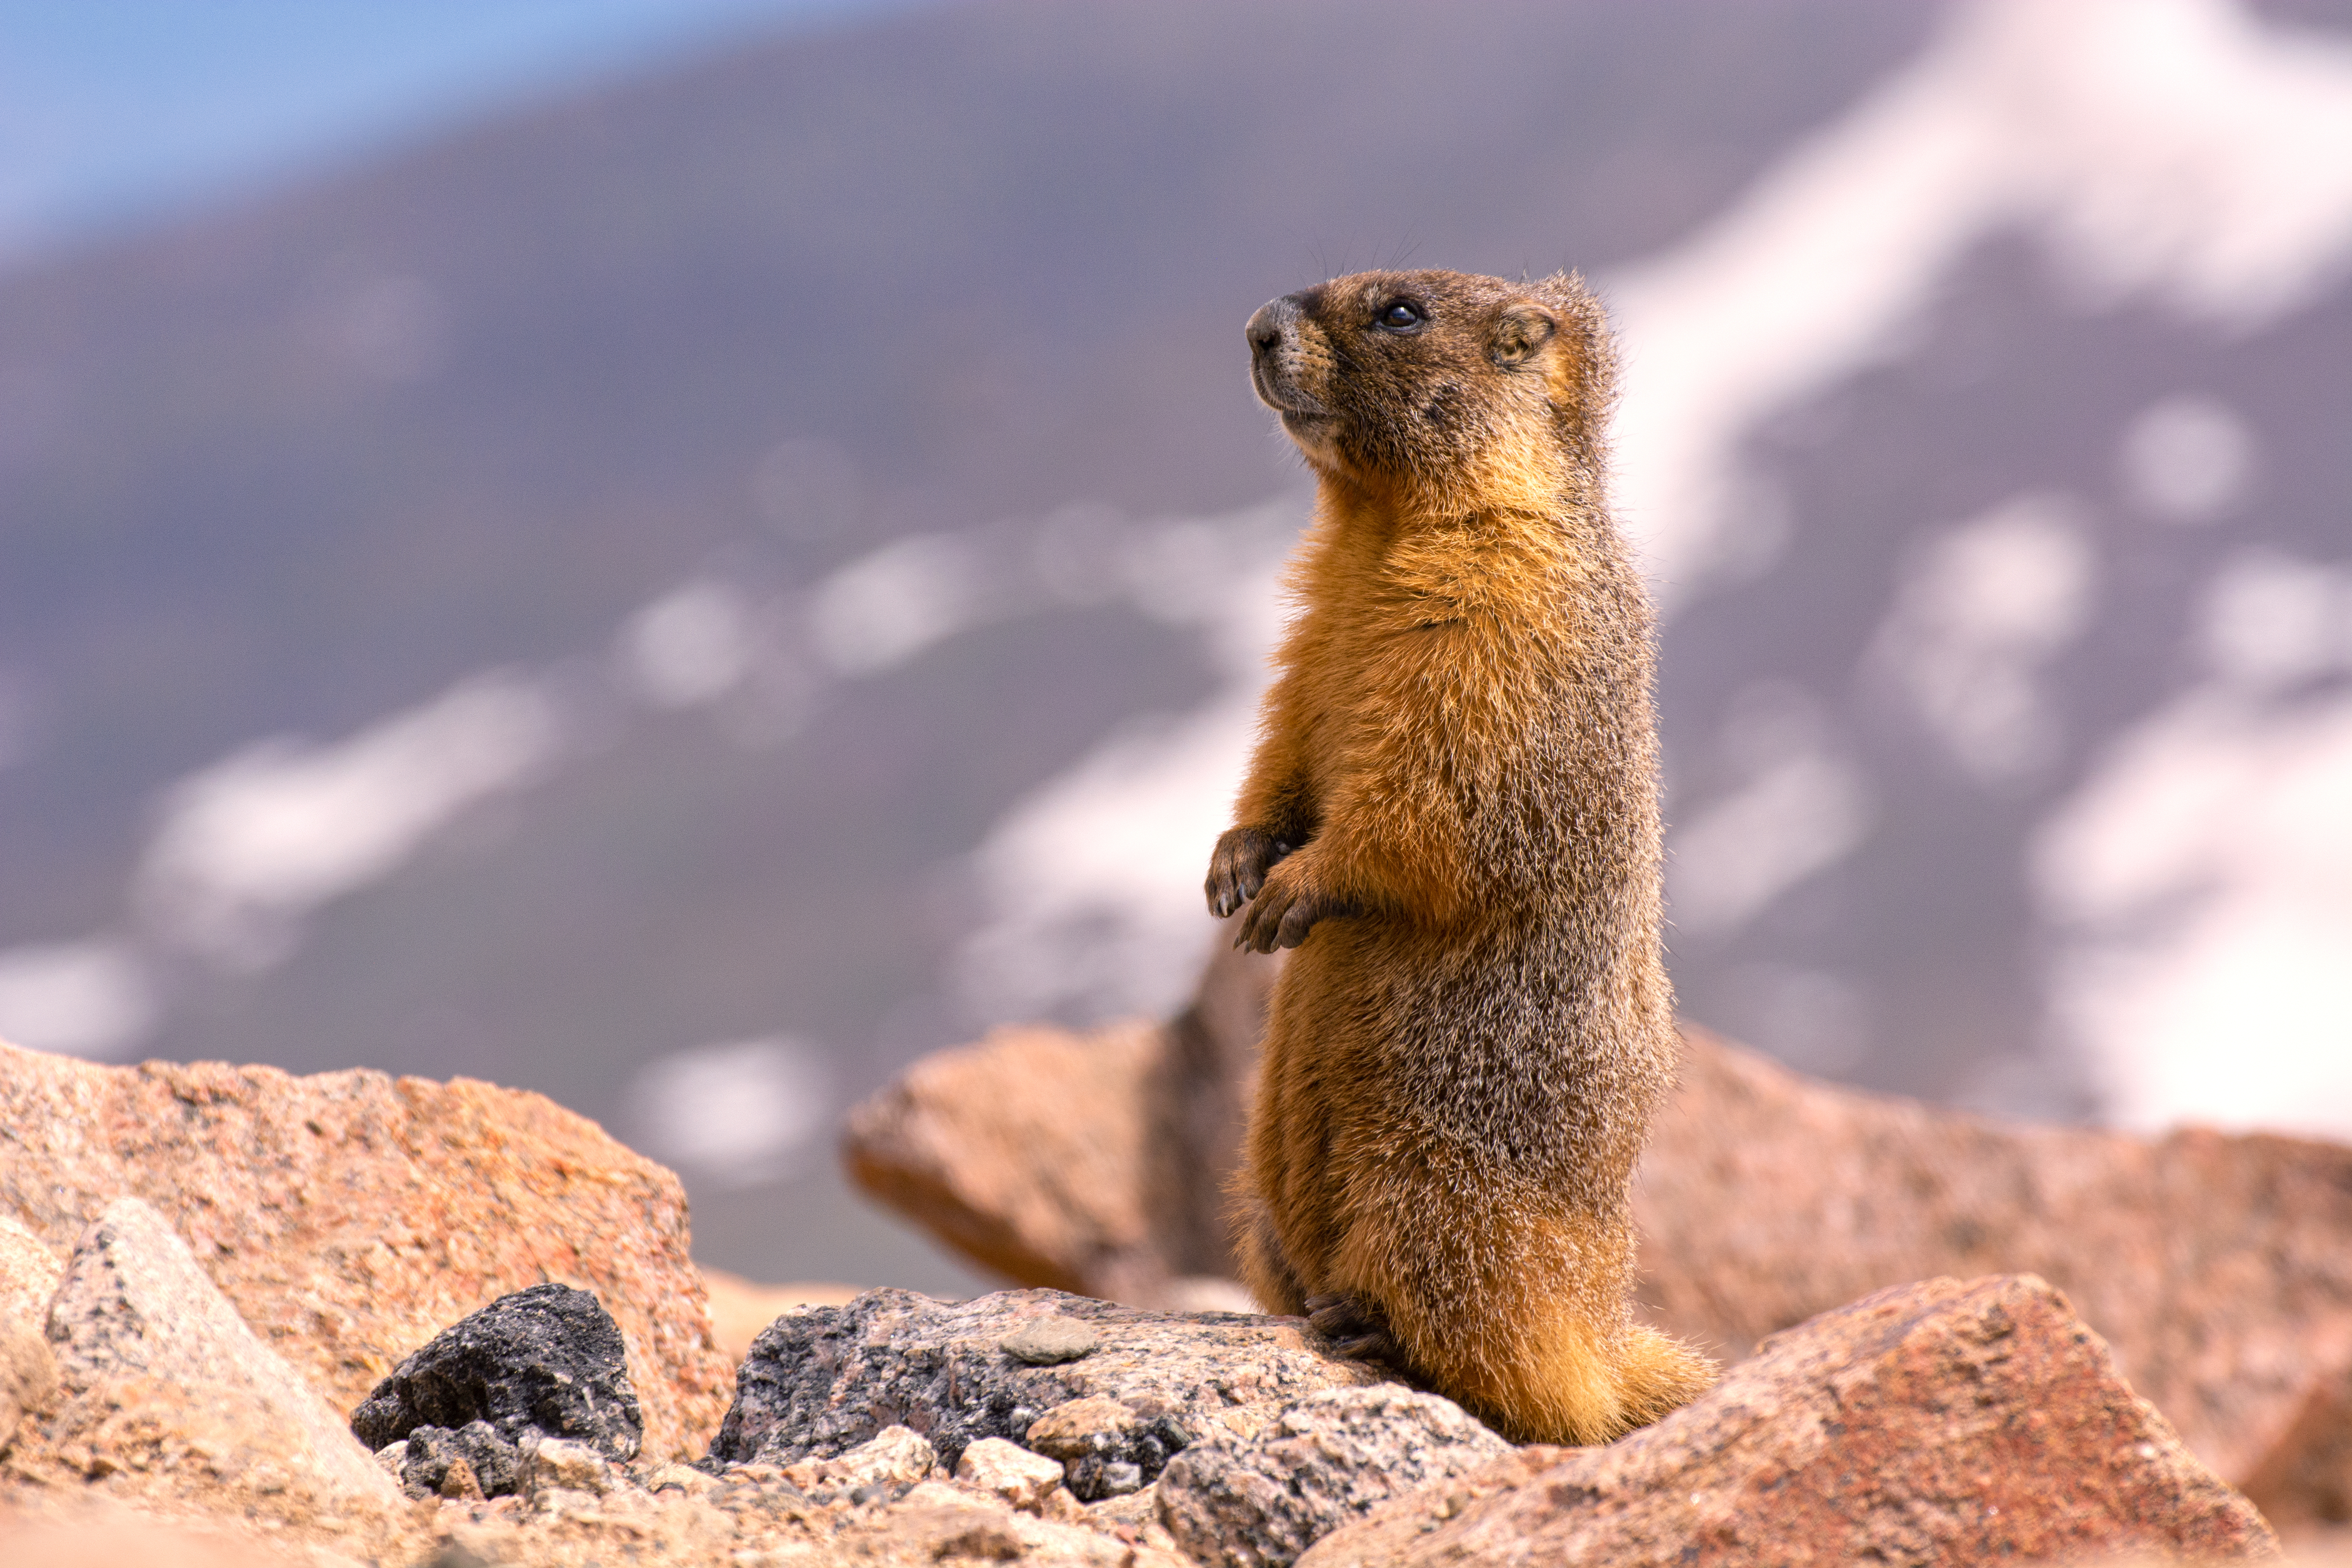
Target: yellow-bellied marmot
x=1453, y=815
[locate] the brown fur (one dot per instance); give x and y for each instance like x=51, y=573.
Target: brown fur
x=1453, y=815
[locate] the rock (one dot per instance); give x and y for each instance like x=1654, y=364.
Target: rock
x=549, y=1463
x=822, y=1379
x=684, y=1477
x=545, y=1362
x=349, y=1216
x=2218, y=1267
x=133, y=1304
x=132, y=1543
x=892, y=1460
x=493, y=1463
x=28, y=1377
x=739, y=1307
x=1090, y=1162
x=1020, y=1477
x=1327, y=1460
x=1941, y=1422
x=934, y=1524
x=1134, y=1519
x=29, y=1273
x=1108, y=1448
x=940, y=1144
x=1196, y=1088
x=208, y=1451
x=459, y=1481
x=1050, y=1341
x=1078, y=1427
x=2305, y=1480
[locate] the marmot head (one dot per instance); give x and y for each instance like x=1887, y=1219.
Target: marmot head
x=1452, y=387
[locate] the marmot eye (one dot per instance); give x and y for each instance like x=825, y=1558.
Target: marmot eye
x=1400, y=317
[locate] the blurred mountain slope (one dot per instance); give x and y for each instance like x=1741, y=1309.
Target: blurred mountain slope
x=294, y=466
x=977, y=274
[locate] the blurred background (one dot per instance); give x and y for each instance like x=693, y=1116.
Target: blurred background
x=681, y=554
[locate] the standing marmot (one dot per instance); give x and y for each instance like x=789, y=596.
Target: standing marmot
x=1453, y=815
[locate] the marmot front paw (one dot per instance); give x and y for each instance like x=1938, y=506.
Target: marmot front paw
x=1285, y=908
x=1237, y=870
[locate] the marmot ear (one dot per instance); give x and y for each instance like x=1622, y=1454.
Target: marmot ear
x=1519, y=333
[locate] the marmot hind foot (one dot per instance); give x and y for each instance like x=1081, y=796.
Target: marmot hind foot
x=1356, y=1330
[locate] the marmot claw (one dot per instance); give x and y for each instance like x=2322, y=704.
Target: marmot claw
x=1283, y=910
x=1354, y=1330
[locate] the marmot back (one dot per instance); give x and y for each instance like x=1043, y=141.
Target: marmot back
x=1453, y=815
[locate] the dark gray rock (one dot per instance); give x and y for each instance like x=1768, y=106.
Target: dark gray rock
x=822, y=1380
x=497, y=1464
x=1258, y=1502
x=547, y=1362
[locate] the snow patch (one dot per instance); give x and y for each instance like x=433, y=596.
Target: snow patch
x=885, y=607
x=95, y=998
x=689, y=647
x=2197, y=883
x=1092, y=882
x=2187, y=459
x=735, y=1112
x=1801, y=807
x=2173, y=150
x=1983, y=607
x=252, y=843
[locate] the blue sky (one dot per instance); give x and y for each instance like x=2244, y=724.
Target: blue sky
x=118, y=114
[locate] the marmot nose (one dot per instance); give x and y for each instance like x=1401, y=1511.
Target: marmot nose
x=1271, y=325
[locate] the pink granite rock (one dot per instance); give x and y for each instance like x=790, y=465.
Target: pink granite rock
x=350, y=1217
x=1935, y=1423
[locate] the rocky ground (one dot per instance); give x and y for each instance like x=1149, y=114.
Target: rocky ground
x=345, y=1319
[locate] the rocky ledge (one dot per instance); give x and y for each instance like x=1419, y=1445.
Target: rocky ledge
x=2218, y=1267
x=248, y=1318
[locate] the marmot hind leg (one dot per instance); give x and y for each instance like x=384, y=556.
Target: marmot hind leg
x=1510, y=1319
x=1266, y=1266
x=1356, y=1328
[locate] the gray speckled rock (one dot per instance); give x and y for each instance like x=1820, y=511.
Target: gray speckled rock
x=1258, y=1503
x=134, y=1302
x=1107, y=1448
x=825, y=1379
x=495, y=1463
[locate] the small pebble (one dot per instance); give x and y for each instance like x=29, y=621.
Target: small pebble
x=1020, y=1477
x=682, y=1477
x=1049, y=1341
